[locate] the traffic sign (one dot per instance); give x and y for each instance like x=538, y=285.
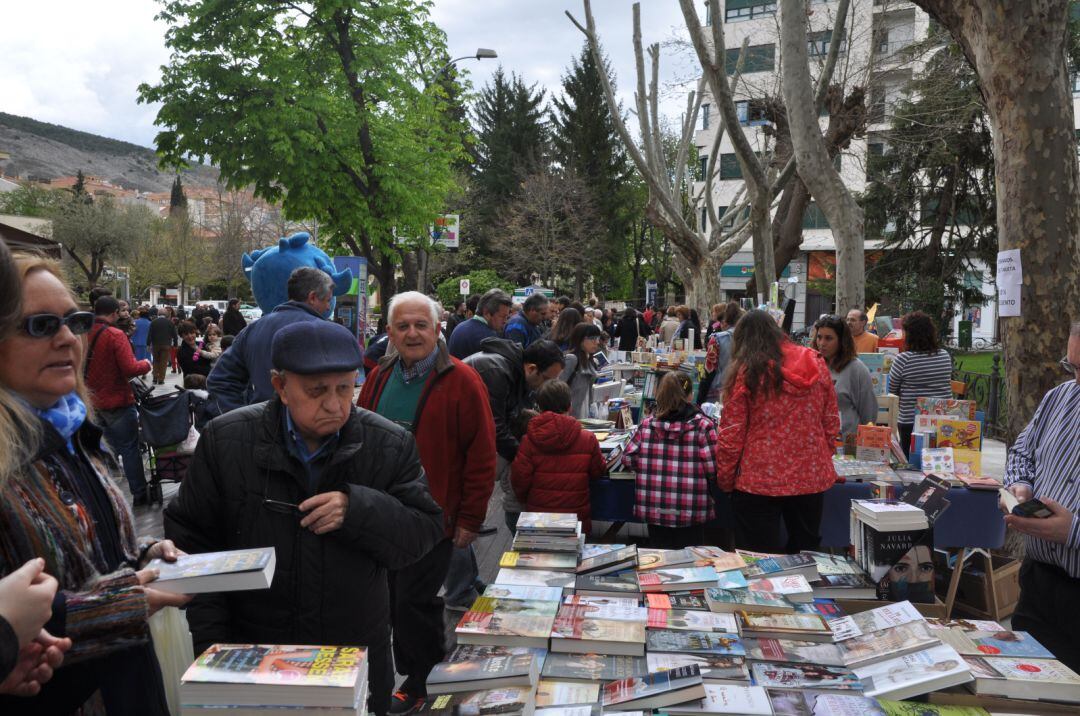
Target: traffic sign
x=464, y=286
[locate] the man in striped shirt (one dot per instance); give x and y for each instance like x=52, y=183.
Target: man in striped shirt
x=1045, y=463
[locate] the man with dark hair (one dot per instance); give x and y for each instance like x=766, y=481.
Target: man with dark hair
x=110, y=364
x=233, y=321
x=456, y=317
x=512, y=375
x=524, y=327
x=1044, y=463
x=162, y=338
x=97, y=292
x=562, y=303
x=492, y=313
x=865, y=342
x=241, y=376
x=337, y=491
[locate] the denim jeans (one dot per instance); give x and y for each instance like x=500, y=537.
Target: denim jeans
x=121, y=427
x=462, y=578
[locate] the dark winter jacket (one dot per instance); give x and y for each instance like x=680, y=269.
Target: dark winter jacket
x=500, y=367
x=554, y=464
x=467, y=336
x=327, y=589
x=628, y=329
x=241, y=376
x=162, y=333
x=520, y=331
x=233, y=322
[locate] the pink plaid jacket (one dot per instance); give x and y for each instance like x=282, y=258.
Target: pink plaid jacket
x=675, y=462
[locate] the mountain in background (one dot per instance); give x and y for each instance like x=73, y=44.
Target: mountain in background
x=42, y=151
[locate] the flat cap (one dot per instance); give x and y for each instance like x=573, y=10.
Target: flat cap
x=310, y=347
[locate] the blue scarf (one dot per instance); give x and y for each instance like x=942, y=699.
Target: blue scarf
x=66, y=416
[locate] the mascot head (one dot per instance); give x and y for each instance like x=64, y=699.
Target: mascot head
x=268, y=270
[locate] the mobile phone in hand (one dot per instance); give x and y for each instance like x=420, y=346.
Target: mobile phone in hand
x=1032, y=508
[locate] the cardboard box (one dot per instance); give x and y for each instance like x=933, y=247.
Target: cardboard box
x=987, y=595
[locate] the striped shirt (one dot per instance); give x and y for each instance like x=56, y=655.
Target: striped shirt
x=919, y=375
x=1046, y=457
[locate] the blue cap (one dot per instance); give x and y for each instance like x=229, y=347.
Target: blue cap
x=310, y=347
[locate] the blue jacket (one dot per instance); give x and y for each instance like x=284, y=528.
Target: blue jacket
x=520, y=331
x=241, y=376
x=465, y=340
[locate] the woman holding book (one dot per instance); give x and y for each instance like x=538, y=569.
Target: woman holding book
x=922, y=370
x=776, y=437
x=851, y=378
x=580, y=371
x=61, y=505
x=672, y=455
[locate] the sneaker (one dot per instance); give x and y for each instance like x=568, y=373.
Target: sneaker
x=402, y=703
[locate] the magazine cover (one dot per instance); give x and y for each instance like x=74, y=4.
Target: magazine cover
x=293, y=665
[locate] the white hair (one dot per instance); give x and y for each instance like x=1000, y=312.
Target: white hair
x=409, y=296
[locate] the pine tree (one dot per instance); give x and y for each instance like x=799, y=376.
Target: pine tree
x=79, y=189
x=177, y=200
x=585, y=141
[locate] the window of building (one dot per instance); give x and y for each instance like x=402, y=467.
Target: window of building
x=759, y=58
x=813, y=218
x=751, y=112
x=1076, y=84
x=729, y=167
x=704, y=116
x=704, y=219
x=817, y=43
x=730, y=223
x=876, y=112
x=739, y=10
x=703, y=169
x=964, y=214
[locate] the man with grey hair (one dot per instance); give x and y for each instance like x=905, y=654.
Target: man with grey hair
x=241, y=376
x=444, y=404
x=491, y=315
x=524, y=327
x=1044, y=463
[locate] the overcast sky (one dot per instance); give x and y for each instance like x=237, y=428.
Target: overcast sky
x=78, y=63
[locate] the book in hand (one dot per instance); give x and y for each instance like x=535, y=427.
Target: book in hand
x=831, y=679
x=232, y=571
x=693, y=600
x=272, y=675
x=845, y=586
x=592, y=667
x=1016, y=644
x=508, y=700
x=1024, y=678
x=676, y=579
x=620, y=584
x=653, y=691
x=872, y=620
x=715, y=669
x=726, y=699
x=554, y=561
x=494, y=672
x=914, y=674
x=550, y=692
x=694, y=642
x=794, y=587
x=778, y=565
x=607, y=562
x=691, y=620
x=791, y=702
x=801, y=627
x=793, y=651
x=887, y=644
x=597, y=636
x=730, y=601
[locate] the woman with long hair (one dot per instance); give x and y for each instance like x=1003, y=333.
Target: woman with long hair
x=672, y=455
x=567, y=320
x=851, y=379
x=629, y=329
x=776, y=437
x=61, y=505
x=718, y=353
x=580, y=373
x=922, y=370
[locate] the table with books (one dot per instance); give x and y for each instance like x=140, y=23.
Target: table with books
x=575, y=629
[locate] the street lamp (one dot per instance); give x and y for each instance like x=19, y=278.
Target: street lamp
x=482, y=53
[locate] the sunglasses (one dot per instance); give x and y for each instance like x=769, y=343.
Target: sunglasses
x=1069, y=367
x=47, y=325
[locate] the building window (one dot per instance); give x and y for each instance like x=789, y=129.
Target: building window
x=814, y=218
x=876, y=113
x=1076, y=83
x=751, y=112
x=730, y=223
x=875, y=153
x=964, y=213
x=759, y=58
x=703, y=169
x=817, y=43
x=739, y=10
x=704, y=219
x=704, y=116
x=729, y=167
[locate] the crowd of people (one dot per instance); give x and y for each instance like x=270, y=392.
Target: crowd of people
x=374, y=504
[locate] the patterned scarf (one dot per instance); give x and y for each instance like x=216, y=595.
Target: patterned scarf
x=66, y=416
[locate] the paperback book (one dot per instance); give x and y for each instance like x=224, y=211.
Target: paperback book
x=604, y=636
x=535, y=578
x=691, y=620
x=793, y=651
x=664, y=558
x=550, y=692
x=235, y=570
x=693, y=642
x=693, y=600
x=717, y=558
x=725, y=699
x=613, y=561
x=872, y=620
x=1023, y=678
x=759, y=565
x=789, y=702
x=512, y=591
x=676, y=579
x=801, y=627
x=887, y=644
x=622, y=584
x=554, y=561
x=723, y=600
x=476, y=652
x=773, y=675
x=1014, y=644
x=914, y=674
x=508, y=629
x=509, y=700
x=794, y=587
x=653, y=691
x=715, y=669
x=592, y=667
x=845, y=586
x=482, y=674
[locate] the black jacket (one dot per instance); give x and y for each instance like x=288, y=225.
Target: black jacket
x=500, y=367
x=162, y=333
x=627, y=331
x=233, y=322
x=327, y=589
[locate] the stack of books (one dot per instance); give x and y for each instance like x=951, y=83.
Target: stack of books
x=841, y=578
x=885, y=533
x=548, y=532
x=599, y=625
x=255, y=678
x=511, y=615
x=889, y=515
x=616, y=560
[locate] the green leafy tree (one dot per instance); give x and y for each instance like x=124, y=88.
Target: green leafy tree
x=327, y=107
x=97, y=234
x=33, y=200
x=480, y=281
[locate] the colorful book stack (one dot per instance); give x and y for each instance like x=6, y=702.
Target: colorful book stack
x=947, y=439
x=268, y=679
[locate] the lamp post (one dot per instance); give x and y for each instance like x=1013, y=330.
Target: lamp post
x=482, y=53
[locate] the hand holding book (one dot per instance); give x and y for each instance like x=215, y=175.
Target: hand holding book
x=155, y=598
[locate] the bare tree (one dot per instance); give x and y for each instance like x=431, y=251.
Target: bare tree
x=1018, y=52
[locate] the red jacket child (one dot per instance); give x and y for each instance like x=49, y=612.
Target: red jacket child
x=554, y=464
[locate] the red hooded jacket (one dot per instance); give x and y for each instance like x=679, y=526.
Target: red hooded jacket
x=554, y=464
x=782, y=443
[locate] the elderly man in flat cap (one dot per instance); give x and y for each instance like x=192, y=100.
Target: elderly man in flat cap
x=338, y=492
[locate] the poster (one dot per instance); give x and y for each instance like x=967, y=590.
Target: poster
x=1010, y=281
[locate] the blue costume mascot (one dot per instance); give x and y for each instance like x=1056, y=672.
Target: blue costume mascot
x=268, y=270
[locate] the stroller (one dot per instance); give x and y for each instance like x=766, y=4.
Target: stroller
x=164, y=424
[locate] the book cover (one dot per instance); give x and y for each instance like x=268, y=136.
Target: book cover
x=723, y=600
x=562, y=561
x=661, y=558
x=717, y=558
x=534, y=578
x=960, y=434
x=967, y=468
x=228, y=570
x=768, y=566
x=929, y=495
x=772, y=675
x=590, y=710
x=888, y=643
x=822, y=606
x=1013, y=644
x=789, y=702
x=591, y=550
x=793, y=651
x=505, y=625
x=608, y=560
x=792, y=585
x=512, y=591
x=592, y=667
x=257, y=664
x=619, y=583
x=619, y=611
x=914, y=674
x=962, y=409
x=530, y=607
x=902, y=564
x=964, y=624
x=938, y=461
x=636, y=688
x=615, y=603
x=879, y=374
x=727, y=699
x=550, y=692
x=915, y=708
x=844, y=581
x=732, y=579
x=694, y=600
x=661, y=579
x=1049, y=671
x=794, y=624
x=446, y=674
x=556, y=522
x=508, y=700
x=873, y=443
x=568, y=627
x=691, y=620
x=714, y=667
x=694, y=642
x=884, y=617
x=472, y=652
